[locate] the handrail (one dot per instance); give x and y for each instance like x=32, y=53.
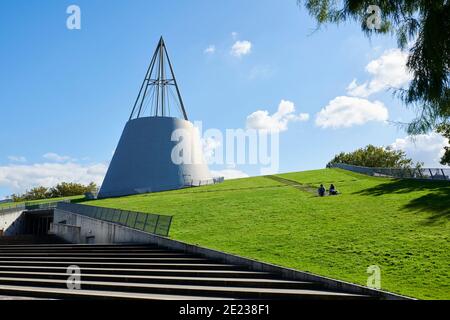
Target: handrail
x=188, y=182
x=442, y=174
x=32, y=206
x=148, y=222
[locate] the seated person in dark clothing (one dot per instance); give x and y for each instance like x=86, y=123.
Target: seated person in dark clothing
x=321, y=191
x=333, y=190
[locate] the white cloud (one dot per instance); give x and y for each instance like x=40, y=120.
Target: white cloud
x=56, y=157
x=427, y=148
x=262, y=120
x=19, y=178
x=229, y=174
x=344, y=112
x=234, y=35
x=241, y=48
x=210, y=50
x=388, y=71
x=303, y=117
x=17, y=159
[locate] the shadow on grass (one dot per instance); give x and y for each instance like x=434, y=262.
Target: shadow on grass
x=79, y=200
x=436, y=199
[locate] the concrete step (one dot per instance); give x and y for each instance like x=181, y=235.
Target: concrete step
x=190, y=290
x=78, y=246
x=152, y=265
x=81, y=250
x=129, y=271
x=5, y=298
x=66, y=294
x=75, y=260
x=120, y=254
x=28, y=240
x=149, y=272
x=159, y=279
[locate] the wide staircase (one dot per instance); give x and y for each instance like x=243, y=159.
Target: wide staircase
x=139, y=272
x=29, y=239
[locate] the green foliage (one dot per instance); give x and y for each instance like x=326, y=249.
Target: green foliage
x=400, y=225
x=444, y=129
x=375, y=157
x=426, y=24
x=64, y=189
x=36, y=193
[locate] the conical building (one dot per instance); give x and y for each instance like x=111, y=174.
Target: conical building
x=157, y=150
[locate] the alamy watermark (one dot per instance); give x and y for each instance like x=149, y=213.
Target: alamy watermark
x=373, y=21
x=73, y=282
x=374, y=279
x=232, y=147
x=73, y=21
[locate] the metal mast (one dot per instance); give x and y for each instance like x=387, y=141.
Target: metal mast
x=156, y=95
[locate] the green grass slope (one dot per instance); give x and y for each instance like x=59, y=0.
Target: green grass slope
x=400, y=225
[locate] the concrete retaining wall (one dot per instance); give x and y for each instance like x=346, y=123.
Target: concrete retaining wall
x=66, y=232
x=77, y=228
x=12, y=222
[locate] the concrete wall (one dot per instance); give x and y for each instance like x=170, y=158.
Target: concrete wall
x=66, y=232
x=12, y=223
x=76, y=228
x=143, y=162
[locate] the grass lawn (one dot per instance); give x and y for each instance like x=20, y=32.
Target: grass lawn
x=400, y=225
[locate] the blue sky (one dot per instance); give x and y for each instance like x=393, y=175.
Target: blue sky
x=66, y=94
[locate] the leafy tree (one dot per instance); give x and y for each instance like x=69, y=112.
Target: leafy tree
x=91, y=187
x=63, y=189
x=444, y=129
x=67, y=189
x=375, y=157
x=17, y=197
x=36, y=193
x=423, y=23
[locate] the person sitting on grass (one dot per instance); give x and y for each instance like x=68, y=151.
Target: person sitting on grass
x=321, y=191
x=332, y=191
